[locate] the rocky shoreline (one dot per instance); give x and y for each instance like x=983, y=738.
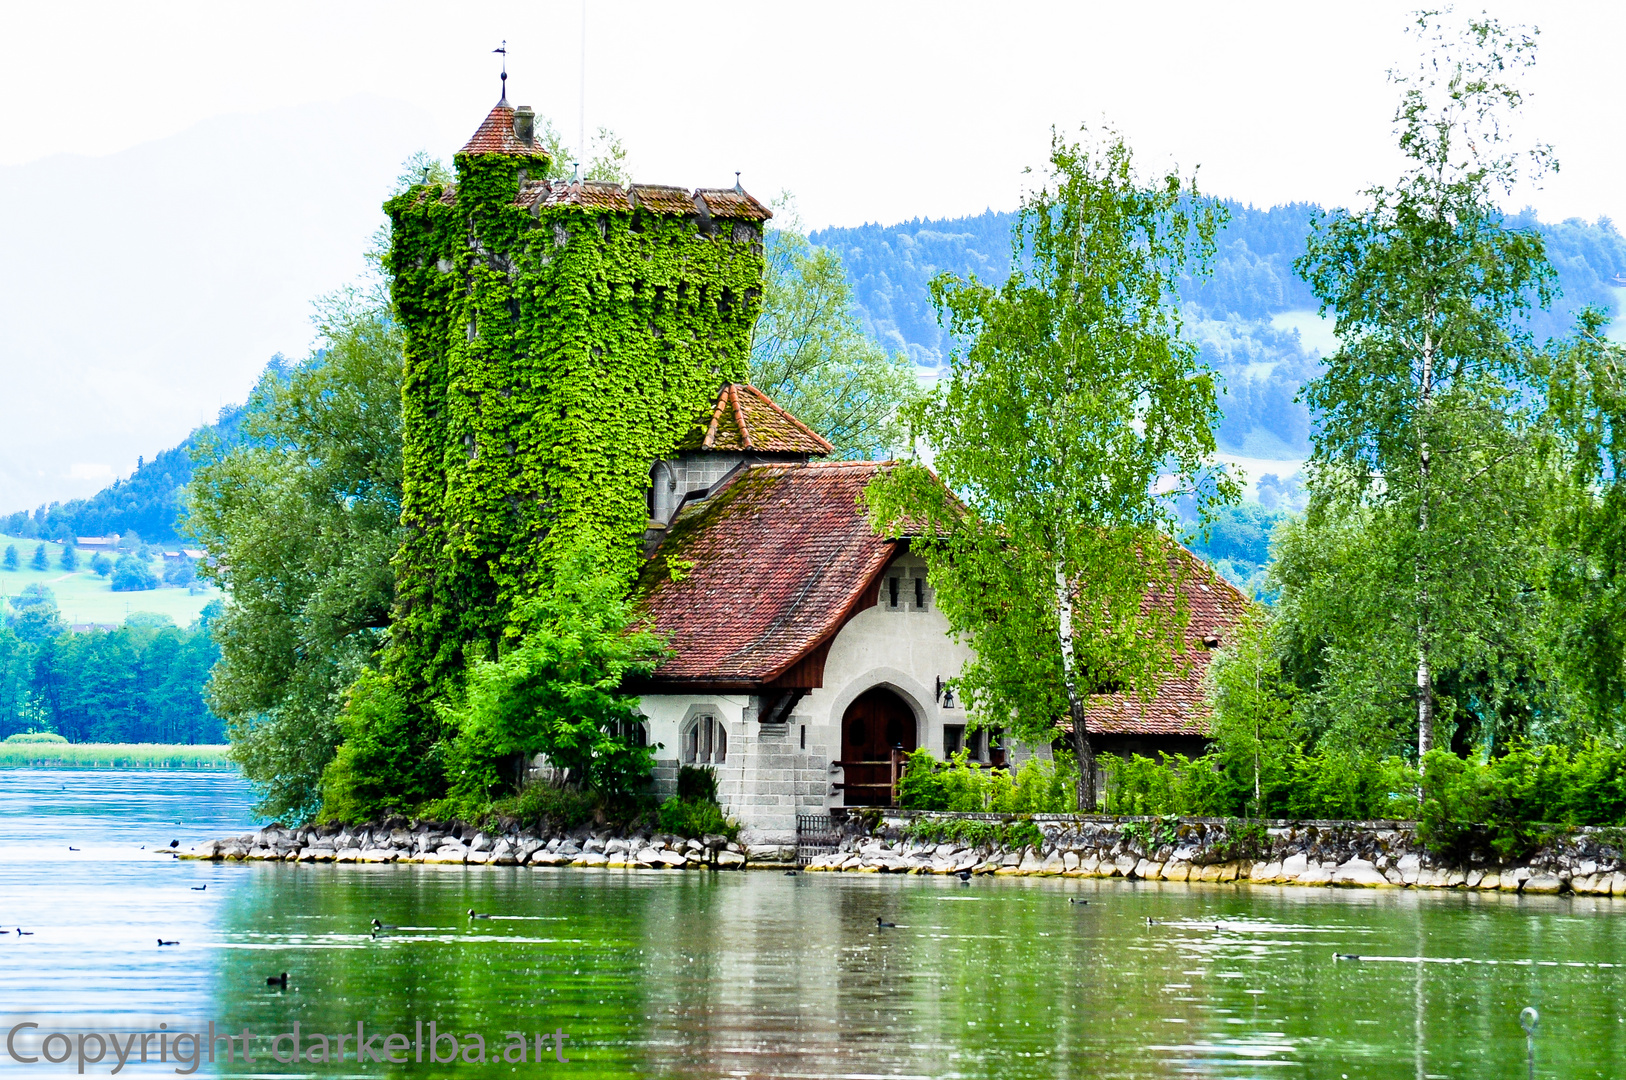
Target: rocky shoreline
x=1381, y=854
x=1376, y=854
x=461, y=844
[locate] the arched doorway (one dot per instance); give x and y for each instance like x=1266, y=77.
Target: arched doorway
x=875, y=724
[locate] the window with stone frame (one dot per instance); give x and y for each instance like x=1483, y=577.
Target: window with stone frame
x=635, y=732
x=704, y=741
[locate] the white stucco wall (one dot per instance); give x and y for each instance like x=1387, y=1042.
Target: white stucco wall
x=766, y=782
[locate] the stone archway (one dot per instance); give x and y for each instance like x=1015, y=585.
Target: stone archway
x=876, y=723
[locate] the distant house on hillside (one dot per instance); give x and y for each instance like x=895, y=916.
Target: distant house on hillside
x=97, y=543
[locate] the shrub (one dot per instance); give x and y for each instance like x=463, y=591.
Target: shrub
x=697, y=784
x=695, y=818
x=560, y=807
x=35, y=737
x=375, y=771
x=1038, y=787
x=101, y=564
x=181, y=572
x=131, y=574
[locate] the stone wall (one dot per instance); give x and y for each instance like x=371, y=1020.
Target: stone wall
x=458, y=843
x=1371, y=853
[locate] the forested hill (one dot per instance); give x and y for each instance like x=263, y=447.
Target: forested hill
x=1254, y=317
x=148, y=503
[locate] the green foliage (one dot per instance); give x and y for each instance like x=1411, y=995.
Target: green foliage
x=548, y=364
x=101, y=564
x=376, y=769
x=542, y=805
x=69, y=559
x=697, y=783
x=557, y=692
x=1328, y=785
x=810, y=355
x=180, y=572
x=301, y=519
x=1070, y=427
x=695, y=818
x=141, y=683
x=39, y=561
x=1513, y=804
x=132, y=574
x=1012, y=834
x=10, y=560
x=35, y=737
x=1038, y=787
x=1584, y=622
x=1151, y=835
x=1423, y=456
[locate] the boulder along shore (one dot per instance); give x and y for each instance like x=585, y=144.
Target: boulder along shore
x=1319, y=853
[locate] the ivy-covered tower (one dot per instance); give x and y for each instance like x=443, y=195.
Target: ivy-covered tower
x=561, y=337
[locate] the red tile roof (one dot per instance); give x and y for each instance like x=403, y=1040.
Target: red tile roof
x=1180, y=707
x=732, y=204
x=496, y=136
x=744, y=418
x=661, y=199
x=767, y=570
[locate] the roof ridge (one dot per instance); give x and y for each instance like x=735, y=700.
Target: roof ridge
x=829, y=448
x=733, y=392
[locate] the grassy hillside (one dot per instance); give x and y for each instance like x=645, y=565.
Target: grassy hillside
x=85, y=598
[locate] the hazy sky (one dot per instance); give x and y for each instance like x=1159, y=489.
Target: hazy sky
x=868, y=111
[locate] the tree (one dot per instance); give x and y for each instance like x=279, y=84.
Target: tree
x=1254, y=727
x=101, y=564
x=180, y=572
x=131, y=574
x=39, y=561
x=10, y=561
x=301, y=520
x=35, y=617
x=1423, y=431
x=809, y=354
x=70, y=557
x=1585, y=573
x=1070, y=425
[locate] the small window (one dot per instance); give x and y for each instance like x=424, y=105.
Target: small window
x=953, y=738
x=892, y=593
x=634, y=732
x=976, y=742
x=920, y=594
x=705, y=742
x=804, y=736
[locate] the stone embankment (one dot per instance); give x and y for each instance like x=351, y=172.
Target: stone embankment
x=460, y=844
x=1374, y=854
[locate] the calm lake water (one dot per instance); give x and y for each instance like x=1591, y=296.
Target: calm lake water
x=760, y=974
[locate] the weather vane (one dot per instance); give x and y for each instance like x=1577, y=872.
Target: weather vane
x=503, y=48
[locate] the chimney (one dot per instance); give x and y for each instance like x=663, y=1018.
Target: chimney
x=524, y=124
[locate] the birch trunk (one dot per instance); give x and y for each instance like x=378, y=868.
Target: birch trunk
x=1425, y=673
x=1080, y=737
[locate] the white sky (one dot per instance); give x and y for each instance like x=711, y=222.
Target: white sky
x=867, y=111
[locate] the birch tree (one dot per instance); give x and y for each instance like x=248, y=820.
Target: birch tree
x=1068, y=424
x=1422, y=427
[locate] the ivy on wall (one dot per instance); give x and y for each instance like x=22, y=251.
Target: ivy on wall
x=553, y=353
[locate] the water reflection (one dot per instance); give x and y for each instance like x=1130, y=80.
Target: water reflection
x=753, y=974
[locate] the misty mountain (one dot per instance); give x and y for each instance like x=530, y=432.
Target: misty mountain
x=1253, y=318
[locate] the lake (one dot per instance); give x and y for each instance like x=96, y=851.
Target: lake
x=692, y=974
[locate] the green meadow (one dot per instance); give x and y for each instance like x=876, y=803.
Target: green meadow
x=84, y=597
x=114, y=756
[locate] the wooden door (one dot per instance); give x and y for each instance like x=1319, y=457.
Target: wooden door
x=878, y=722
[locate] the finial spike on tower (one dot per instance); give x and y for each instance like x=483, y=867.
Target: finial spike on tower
x=737, y=187
x=503, y=48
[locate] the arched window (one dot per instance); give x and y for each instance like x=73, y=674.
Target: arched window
x=705, y=741
x=634, y=732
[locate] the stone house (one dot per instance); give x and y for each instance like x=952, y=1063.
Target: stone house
x=807, y=649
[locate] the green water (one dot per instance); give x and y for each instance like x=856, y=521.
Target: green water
x=761, y=974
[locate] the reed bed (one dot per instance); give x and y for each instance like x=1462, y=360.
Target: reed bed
x=114, y=756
